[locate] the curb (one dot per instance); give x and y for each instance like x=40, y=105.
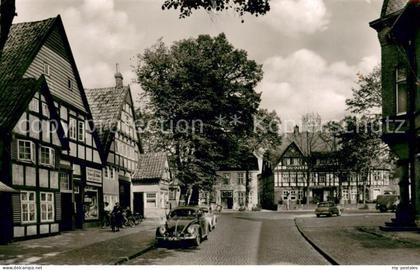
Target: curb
x=323, y=253
x=149, y=247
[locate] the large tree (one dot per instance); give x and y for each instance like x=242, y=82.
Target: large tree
x=360, y=138
x=201, y=95
x=186, y=7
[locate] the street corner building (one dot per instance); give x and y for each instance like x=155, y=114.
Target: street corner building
x=114, y=117
x=306, y=172
x=49, y=154
x=237, y=185
x=399, y=35
x=154, y=191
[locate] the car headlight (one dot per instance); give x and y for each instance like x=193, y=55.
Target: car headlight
x=191, y=230
x=162, y=230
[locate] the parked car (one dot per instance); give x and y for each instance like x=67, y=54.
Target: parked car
x=186, y=223
x=210, y=216
x=327, y=209
x=387, y=202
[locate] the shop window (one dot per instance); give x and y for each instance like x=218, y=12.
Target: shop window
x=401, y=91
x=47, y=206
x=91, y=204
x=46, y=156
x=26, y=151
x=28, y=205
x=151, y=200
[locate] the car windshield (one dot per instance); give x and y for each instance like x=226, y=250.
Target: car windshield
x=182, y=213
x=325, y=204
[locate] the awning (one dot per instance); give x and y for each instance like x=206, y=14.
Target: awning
x=6, y=189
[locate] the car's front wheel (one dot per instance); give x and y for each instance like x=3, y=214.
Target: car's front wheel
x=197, y=239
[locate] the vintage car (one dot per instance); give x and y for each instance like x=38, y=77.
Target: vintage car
x=387, y=202
x=327, y=209
x=210, y=216
x=187, y=223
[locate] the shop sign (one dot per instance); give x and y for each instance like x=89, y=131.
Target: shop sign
x=93, y=175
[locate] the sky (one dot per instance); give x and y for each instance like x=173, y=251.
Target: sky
x=311, y=50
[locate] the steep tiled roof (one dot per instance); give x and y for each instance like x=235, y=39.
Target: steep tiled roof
x=307, y=142
x=24, y=41
x=151, y=166
x=106, y=105
x=392, y=6
x=6, y=188
x=250, y=163
x=14, y=98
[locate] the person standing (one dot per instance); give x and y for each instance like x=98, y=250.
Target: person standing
x=116, y=217
x=106, y=217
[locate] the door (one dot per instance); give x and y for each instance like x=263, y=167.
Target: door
x=229, y=202
x=124, y=193
x=67, y=212
x=138, y=203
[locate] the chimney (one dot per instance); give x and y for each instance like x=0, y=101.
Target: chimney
x=118, y=78
x=296, y=130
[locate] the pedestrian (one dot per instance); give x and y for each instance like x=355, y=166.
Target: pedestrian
x=116, y=217
x=106, y=217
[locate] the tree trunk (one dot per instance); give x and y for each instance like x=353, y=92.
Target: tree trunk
x=247, y=187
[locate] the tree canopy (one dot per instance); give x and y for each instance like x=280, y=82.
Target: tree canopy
x=186, y=7
x=200, y=94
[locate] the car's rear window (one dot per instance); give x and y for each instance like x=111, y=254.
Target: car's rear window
x=325, y=204
x=182, y=213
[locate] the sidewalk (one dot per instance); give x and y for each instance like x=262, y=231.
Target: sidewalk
x=358, y=240
x=89, y=246
x=347, y=208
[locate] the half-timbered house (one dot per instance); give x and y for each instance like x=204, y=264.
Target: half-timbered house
x=41, y=50
x=114, y=116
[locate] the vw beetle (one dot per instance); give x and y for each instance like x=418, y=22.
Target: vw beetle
x=185, y=223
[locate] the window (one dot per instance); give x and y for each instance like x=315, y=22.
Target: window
x=47, y=206
x=46, y=156
x=226, y=178
x=285, y=194
x=293, y=195
x=47, y=69
x=34, y=105
x=81, y=134
x=240, y=178
x=345, y=194
x=401, y=91
x=28, y=205
x=26, y=151
x=70, y=84
x=72, y=128
x=151, y=199
x=64, y=181
x=241, y=198
x=45, y=110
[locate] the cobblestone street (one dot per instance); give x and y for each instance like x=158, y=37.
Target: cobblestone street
x=243, y=238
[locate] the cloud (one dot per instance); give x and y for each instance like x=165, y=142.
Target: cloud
x=100, y=36
x=304, y=82
x=294, y=17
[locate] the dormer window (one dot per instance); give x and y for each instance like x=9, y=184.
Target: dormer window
x=47, y=69
x=401, y=93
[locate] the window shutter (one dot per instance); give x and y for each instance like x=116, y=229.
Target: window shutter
x=58, y=206
x=33, y=152
x=17, y=215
